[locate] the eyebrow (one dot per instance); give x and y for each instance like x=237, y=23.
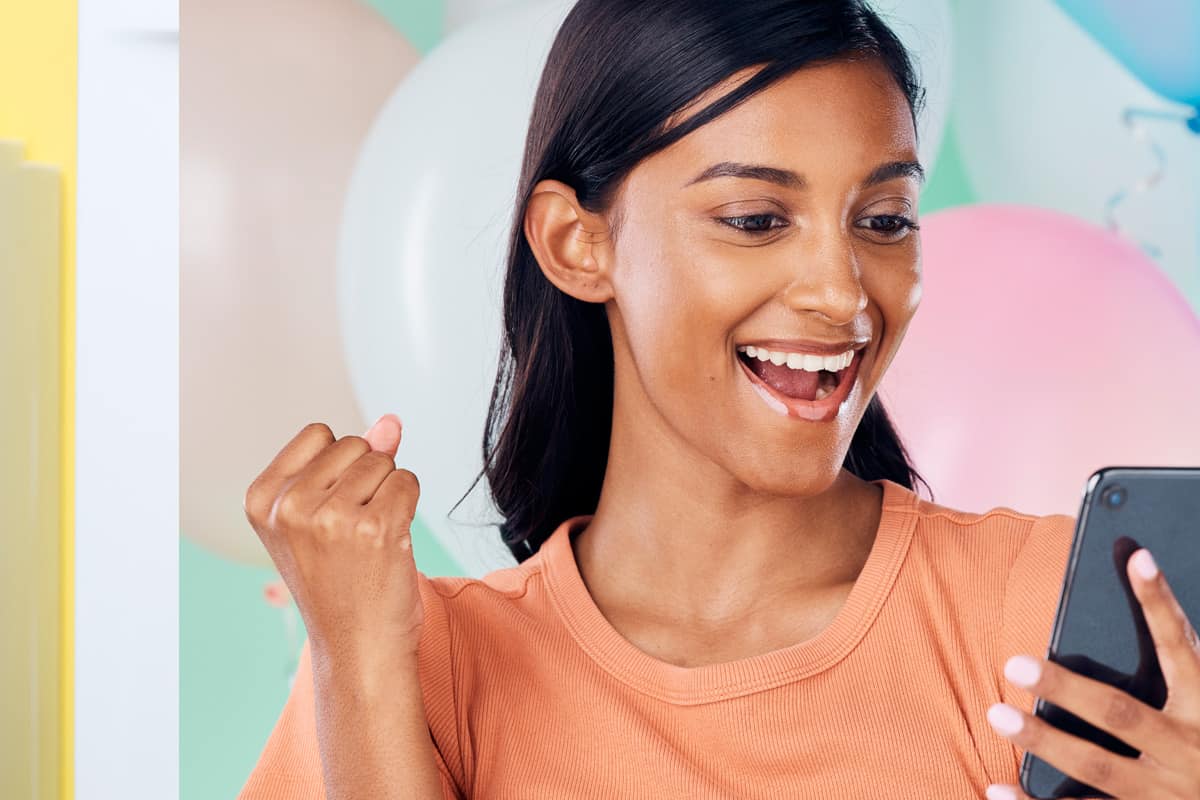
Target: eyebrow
x=793, y=180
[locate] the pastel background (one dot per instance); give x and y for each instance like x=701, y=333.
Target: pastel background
x=89, y=399
x=346, y=178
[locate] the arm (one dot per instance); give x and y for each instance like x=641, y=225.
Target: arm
x=335, y=517
x=371, y=727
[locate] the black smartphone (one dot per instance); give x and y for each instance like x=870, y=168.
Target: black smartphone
x=1099, y=628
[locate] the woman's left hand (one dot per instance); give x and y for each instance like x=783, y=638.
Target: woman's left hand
x=1169, y=739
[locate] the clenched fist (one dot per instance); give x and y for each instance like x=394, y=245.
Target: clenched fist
x=335, y=518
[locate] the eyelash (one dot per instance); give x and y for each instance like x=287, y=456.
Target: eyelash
x=904, y=222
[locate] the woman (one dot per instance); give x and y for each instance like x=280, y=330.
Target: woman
x=727, y=585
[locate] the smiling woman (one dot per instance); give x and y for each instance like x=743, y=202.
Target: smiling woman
x=727, y=584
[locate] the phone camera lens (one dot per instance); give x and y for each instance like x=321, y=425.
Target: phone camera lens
x=1113, y=496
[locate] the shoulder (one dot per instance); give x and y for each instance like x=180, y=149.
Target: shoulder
x=1001, y=566
x=465, y=597
x=501, y=603
x=1007, y=538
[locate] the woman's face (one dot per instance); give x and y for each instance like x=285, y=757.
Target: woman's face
x=810, y=249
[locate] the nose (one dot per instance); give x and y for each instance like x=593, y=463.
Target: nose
x=828, y=280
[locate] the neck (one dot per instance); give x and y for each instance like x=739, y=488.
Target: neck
x=679, y=539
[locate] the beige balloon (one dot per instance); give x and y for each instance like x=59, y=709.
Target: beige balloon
x=275, y=99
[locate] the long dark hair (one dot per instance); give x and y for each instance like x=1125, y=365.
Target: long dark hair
x=617, y=71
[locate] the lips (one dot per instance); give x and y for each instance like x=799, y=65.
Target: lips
x=822, y=410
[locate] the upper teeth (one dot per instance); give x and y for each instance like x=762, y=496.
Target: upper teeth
x=804, y=361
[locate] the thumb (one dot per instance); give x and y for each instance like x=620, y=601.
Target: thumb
x=385, y=434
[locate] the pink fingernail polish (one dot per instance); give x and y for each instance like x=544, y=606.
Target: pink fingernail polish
x=1143, y=562
x=1022, y=670
x=997, y=791
x=1005, y=719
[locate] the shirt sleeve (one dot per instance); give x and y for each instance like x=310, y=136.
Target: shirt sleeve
x=1030, y=601
x=289, y=766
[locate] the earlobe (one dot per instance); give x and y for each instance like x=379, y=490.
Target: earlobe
x=569, y=242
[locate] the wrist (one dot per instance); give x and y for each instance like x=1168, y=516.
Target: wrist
x=363, y=662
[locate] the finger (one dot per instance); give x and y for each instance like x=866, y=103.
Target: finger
x=1082, y=760
x=1175, y=639
x=385, y=434
x=1138, y=724
x=315, y=481
x=397, y=496
x=358, y=482
x=295, y=455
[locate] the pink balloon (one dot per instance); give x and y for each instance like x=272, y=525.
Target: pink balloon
x=1044, y=348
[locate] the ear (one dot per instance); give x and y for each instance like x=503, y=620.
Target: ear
x=572, y=245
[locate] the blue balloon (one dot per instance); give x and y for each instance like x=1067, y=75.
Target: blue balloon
x=1157, y=40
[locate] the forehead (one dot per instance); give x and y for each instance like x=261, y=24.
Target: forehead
x=838, y=119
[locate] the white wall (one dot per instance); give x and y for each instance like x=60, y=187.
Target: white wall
x=127, y=403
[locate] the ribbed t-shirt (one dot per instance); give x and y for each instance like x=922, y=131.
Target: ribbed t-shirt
x=531, y=693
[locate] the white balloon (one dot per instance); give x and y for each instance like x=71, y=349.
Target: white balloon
x=1038, y=122
x=420, y=259
x=423, y=239
x=462, y=12
x=927, y=30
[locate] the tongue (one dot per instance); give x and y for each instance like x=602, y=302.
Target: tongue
x=798, y=383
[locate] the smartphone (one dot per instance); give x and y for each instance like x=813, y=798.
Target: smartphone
x=1099, y=628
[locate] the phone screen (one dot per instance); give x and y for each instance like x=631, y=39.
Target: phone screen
x=1099, y=629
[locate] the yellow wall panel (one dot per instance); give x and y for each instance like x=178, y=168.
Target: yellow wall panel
x=38, y=99
x=30, y=478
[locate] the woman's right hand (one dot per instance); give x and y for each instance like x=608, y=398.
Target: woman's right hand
x=335, y=518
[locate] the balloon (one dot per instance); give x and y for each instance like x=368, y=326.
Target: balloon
x=1044, y=348
x=1038, y=119
x=419, y=259
x=424, y=233
x=927, y=31
x=276, y=98
x=1158, y=40
x=463, y=12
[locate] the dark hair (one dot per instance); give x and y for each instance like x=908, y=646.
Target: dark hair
x=617, y=71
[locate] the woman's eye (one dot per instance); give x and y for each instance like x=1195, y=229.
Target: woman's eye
x=754, y=224
x=893, y=226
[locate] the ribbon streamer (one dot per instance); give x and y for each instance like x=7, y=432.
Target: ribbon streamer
x=1132, y=118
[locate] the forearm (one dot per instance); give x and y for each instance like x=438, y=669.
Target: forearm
x=371, y=727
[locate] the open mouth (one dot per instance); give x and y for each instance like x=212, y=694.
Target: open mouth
x=801, y=377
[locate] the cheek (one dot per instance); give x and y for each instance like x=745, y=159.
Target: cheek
x=894, y=285
x=896, y=290
x=679, y=312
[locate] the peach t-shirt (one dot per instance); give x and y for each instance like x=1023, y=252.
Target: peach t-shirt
x=531, y=693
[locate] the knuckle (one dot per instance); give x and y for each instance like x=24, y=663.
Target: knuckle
x=251, y=502
x=287, y=506
x=355, y=443
x=369, y=525
x=1121, y=713
x=379, y=457
x=329, y=517
x=1097, y=769
x=318, y=429
x=409, y=481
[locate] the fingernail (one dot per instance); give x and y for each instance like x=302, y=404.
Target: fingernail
x=999, y=792
x=1022, y=670
x=1143, y=562
x=381, y=419
x=1005, y=719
